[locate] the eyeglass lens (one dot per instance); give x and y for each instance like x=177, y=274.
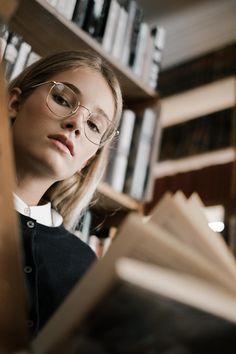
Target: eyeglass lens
x=63, y=102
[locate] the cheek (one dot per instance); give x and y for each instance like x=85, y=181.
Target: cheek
x=35, y=106
x=33, y=119
x=84, y=154
x=36, y=112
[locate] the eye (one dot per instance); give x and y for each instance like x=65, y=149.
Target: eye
x=92, y=126
x=61, y=100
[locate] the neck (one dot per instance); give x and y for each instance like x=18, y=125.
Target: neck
x=30, y=189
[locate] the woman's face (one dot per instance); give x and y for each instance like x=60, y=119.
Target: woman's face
x=57, y=148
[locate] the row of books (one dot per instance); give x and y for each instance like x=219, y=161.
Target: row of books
x=16, y=53
x=204, y=134
x=132, y=157
x=120, y=27
x=199, y=71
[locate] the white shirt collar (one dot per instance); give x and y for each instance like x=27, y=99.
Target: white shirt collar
x=43, y=214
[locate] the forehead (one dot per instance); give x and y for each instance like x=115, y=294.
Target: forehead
x=92, y=86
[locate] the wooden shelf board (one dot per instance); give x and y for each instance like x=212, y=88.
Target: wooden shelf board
x=7, y=8
x=13, y=332
x=50, y=32
x=112, y=200
x=198, y=102
x=172, y=167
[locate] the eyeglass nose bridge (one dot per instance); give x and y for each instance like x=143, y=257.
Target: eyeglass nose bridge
x=85, y=117
x=80, y=121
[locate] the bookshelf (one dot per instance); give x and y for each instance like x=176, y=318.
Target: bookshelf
x=114, y=200
x=197, y=102
x=192, y=104
x=210, y=173
x=7, y=8
x=196, y=162
x=112, y=207
x=19, y=344
x=37, y=15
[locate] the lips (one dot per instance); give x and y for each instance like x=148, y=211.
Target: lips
x=64, y=141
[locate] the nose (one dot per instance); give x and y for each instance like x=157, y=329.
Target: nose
x=74, y=122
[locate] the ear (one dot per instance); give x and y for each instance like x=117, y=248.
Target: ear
x=14, y=102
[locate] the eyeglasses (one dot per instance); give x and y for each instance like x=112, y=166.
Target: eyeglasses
x=63, y=101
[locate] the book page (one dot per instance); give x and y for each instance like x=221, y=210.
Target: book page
x=146, y=242
x=215, y=241
x=181, y=219
x=180, y=287
x=146, y=310
x=132, y=319
x=157, y=246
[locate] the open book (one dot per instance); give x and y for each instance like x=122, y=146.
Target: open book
x=165, y=286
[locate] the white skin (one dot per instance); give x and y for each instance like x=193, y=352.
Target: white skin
x=40, y=159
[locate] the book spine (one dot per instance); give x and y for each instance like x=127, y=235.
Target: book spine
x=32, y=58
x=154, y=154
x=111, y=25
x=61, y=6
x=148, y=57
x=134, y=37
x=142, y=158
x=89, y=20
x=69, y=9
x=199, y=71
x=132, y=154
x=158, y=34
x=101, y=25
x=129, y=30
x=94, y=17
x=120, y=34
x=66, y=8
x=141, y=49
x=11, y=52
x=204, y=134
x=3, y=44
x=120, y=160
x=22, y=57
x=4, y=33
x=79, y=13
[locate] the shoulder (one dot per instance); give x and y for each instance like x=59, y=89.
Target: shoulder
x=77, y=242
x=56, y=239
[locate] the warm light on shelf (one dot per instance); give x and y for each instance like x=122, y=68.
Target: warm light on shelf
x=217, y=226
x=215, y=216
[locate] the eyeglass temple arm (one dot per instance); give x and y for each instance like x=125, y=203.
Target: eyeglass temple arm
x=45, y=82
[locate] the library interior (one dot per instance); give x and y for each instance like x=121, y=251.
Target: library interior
x=135, y=251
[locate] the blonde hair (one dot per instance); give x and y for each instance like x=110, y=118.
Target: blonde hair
x=71, y=196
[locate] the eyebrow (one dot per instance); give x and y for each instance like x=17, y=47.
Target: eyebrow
x=73, y=87
x=77, y=90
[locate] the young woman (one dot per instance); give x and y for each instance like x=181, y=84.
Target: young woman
x=64, y=110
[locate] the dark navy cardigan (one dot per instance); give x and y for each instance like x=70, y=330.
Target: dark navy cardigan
x=54, y=260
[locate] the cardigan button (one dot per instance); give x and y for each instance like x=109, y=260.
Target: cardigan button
x=30, y=224
x=27, y=269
